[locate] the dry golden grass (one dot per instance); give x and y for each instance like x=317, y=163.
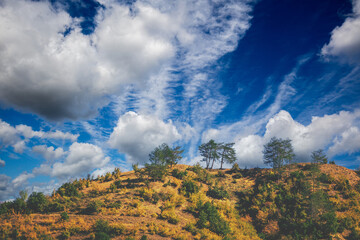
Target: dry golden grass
x=138, y=214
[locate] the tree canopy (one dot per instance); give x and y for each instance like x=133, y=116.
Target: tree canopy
x=209, y=153
x=278, y=152
x=160, y=159
x=213, y=152
x=227, y=153
x=318, y=156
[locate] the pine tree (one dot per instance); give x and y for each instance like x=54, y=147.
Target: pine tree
x=318, y=156
x=278, y=152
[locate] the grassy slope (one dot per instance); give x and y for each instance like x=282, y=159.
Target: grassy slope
x=137, y=213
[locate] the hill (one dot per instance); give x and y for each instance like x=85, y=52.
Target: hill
x=298, y=201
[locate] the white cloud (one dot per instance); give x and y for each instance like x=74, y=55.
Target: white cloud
x=18, y=136
x=8, y=134
x=72, y=76
x=345, y=42
x=2, y=163
x=21, y=180
x=19, y=147
x=82, y=159
x=49, y=153
x=249, y=151
x=5, y=189
x=137, y=135
x=348, y=142
x=27, y=131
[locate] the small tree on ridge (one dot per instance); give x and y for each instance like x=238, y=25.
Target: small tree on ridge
x=278, y=152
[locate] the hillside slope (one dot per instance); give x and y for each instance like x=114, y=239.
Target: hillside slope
x=300, y=201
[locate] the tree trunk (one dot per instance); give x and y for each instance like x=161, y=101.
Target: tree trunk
x=222, y=160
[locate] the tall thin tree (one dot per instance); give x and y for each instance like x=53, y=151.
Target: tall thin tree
x=227, y=153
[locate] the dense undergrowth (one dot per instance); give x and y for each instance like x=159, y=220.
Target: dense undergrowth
x=300, y=201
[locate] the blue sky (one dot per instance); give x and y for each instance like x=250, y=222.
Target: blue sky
x=86, y=86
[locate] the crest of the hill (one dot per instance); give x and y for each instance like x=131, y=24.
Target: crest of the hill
x=298, y=201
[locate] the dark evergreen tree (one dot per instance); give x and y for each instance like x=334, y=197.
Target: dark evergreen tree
x=278, y=152
x=318, y=156
x=37, y=202
x=162, y=157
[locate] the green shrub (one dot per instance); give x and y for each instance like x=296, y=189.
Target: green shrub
x=129, y=238
x=116, y=173
x=156, y=172
x=191, y=229
x=118, y=184
x=94, y=207
x=108, y=177
x=102, y=226
x=196, y=168
x=65, y=235
x=69, y=190
x=189, y=187
x=179, y=174
x=5, y=207
x=64, y=216
x=117, y=204
x=156, y=197
x=299, y=175
x=235, y=168
x=342, y=185
x=325, y=178
x=237, y=176
x=112, y=187
x=220, y=174
x=169, y=183
x=144, y=237
x=37, y=202
x=354, y=235
x=19, y=206
x=203, y=175
x=210, y=218
x=217, y=192
x=46, y=237
x=55, y=207
x=102, y=236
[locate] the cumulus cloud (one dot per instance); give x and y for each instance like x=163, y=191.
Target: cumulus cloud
x=82, y=159
x=348, y=142
x=137, y=135
x=8, y=134
x=2, y=163
x=19, y=147
x=338, y=133
x=49, y=153
x=345, y=42
x=72, y=75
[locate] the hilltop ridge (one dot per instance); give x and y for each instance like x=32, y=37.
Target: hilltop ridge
x=298, y=201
